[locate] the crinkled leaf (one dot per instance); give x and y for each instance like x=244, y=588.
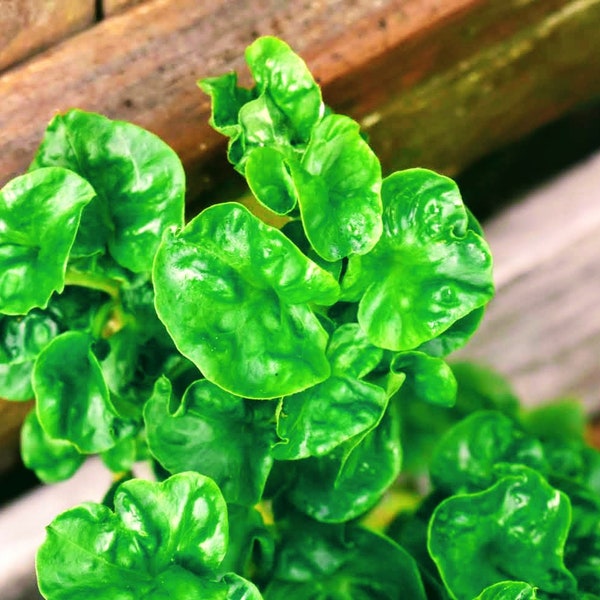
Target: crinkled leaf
x=193, y=436
x=122, y=456
x=52, y=460
x=269, y=178
x=236, y=295
x=284, y=78
x=164, y=540
x=21, y=340
x=73, y=401
x=339, y=190
x=345, y=483
x=251, y=547
x=315, y=421
x=138, y=179
x=39, y=216
x=466, y=456
x=427, y=271
x=227, y=99
x=317, y=561
x=508, y=590
x=515, y=529
x=428, y=378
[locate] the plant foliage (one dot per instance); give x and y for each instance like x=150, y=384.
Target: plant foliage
x=287, y=384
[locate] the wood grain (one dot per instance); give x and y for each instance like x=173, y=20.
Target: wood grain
x=435, y=84
x=542, y=330
x=27, y=26
x=112, y=7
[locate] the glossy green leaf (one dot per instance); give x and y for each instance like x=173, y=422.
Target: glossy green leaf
x=339, y=190
x=21, y=340
x=164, y=540
x=515, y=529
x=428, y=378
x=73, y=401
x=138, y=179
x=51, y=460
x=466, y=457
x=348, y=481
x=236, y=295
x=284, y=78
x=192, y=436
x=39, y=216
x=428, y=269
x=313, y=422
x=318, y=562
x=508, y=590
x=227, y=99
x=269, y=178
x=122, y=456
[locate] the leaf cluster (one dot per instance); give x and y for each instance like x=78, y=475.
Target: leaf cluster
x=279, y=380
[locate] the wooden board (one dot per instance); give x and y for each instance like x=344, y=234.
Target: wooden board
x=27, y=26
x=543, y=328
x=112, y=7
x=435, y=83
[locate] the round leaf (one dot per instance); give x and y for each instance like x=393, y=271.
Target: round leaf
x=428, y=378
x=209, y=419
x=164, y=540
x=73, y=401
x=52, y=460
x=428, y=269
x=236, y=295
x=39, y=217
x=500, y=535
x=339, y=190
x=466, y=456
x=138, y=179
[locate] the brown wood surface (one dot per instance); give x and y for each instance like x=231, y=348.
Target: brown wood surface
x=112, y=7
x=435, y=84
x=27, y=26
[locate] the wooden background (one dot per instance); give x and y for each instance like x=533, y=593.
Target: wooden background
x=436, y=83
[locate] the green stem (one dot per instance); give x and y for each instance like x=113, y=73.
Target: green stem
x=94, y=282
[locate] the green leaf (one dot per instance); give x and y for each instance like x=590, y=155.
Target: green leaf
x=284, y=78
x=138, y=179
x=339, y=190
x=351, y=479
x=313, y=422
x=164, y=540
x=428, y=269
x=428, y=378
x=21, y=340
x=73, y=401
x=500, y=534
x=39, y=217
x=508, y=590
x=269, y=178
x=193, y=435
x=122, y=456
x=52, y=460
x=236, y=296
x=318, y=562
x=466, y=456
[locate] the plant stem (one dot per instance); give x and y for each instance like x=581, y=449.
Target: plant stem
x=94, y=282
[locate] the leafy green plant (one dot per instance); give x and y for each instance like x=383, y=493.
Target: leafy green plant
x=289, y=385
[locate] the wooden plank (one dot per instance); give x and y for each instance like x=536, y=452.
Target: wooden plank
x=435, y=84
x=113, y=7
x=542, y=330
x=27, y=26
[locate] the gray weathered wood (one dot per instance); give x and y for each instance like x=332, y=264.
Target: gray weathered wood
x=543, y=328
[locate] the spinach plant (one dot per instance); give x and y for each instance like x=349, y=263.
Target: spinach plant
x=289, y=385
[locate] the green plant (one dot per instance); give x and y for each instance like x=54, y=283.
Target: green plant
x=277, y=379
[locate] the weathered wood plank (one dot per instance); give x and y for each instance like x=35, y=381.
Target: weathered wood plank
x=435, y=84
x=543, y=328
x=27, y=26
x=112, y=7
